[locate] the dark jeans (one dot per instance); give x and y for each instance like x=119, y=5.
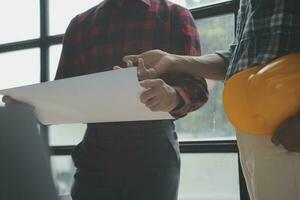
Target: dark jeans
x=143, y=164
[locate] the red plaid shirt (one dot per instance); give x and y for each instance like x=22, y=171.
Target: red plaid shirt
x=97, y=40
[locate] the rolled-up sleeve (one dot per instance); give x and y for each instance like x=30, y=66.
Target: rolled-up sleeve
x=227, y=54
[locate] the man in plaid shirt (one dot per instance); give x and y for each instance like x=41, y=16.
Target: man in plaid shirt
x=266, y=29
x=132, y=160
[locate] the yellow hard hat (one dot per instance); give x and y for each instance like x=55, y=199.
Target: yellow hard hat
x=257, y=100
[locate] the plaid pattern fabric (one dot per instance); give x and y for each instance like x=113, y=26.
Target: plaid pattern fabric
x=97, y=40
x=266, y=29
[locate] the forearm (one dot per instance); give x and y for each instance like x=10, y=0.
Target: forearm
x=211, y=66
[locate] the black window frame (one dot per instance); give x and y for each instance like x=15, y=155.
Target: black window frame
x=45, y=41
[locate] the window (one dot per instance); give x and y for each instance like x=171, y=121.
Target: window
x=67, y=134
x=209, y=176
x=63, y=171
x=19, y=20
x=19, y=68
x=62, y=11
x=197, y=3
x=210, y=122
x=55, y=52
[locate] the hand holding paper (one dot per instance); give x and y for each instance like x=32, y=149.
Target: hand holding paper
x=159, y=96
x=101, y=97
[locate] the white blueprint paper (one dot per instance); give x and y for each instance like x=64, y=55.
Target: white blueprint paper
x=101, y=97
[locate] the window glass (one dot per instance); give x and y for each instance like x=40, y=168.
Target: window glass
x=216, y=33
x=209, y=177
x=197, y=3
x=19, y=20
x=67, y=134
x=210, y=122
x=55, y=52
x=62, y=11
x=19, y=68
x=63, y=171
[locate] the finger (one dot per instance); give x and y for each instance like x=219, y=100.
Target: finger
x=276, y=137
x=117, y=67
x=275, y=140
x=156, y=108
x=290, y=141
x=6, y=99
x=153, y=102
x=132, y=58
x=144, y=72
x=12, y=102
x=279, y=132
x=290, y=147
x=151, y=83
x=129, y=63
x=147, y=95
x=9, y=100
x=141, y=70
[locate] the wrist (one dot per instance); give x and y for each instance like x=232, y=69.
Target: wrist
x=175, y=63
x=178, y=101
x=175, y=100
